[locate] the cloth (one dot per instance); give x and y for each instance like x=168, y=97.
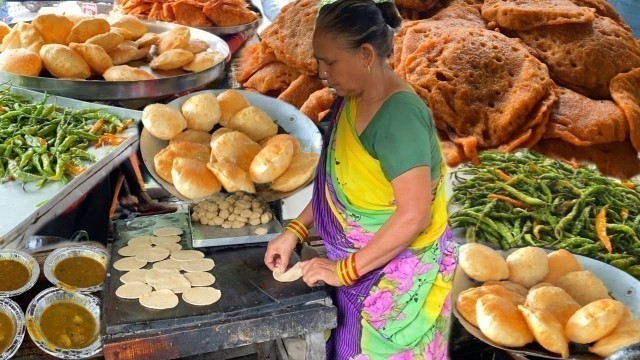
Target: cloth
x=402, y=310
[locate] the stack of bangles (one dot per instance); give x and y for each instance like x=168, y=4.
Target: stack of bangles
x=347, y=272
x=298, y=229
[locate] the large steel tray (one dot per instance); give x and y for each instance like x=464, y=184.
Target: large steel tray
x=231, y=30
x=24, y=211
x=167, y=82
x=285, y=115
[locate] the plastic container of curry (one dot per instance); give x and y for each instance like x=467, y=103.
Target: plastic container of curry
x=77, y=268
x=56, y=317
x=19, y=271
x=12, y=319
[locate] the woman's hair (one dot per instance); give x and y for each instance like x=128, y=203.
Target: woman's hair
x=358, y=22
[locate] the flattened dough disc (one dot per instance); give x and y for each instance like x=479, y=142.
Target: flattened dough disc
x=154, y=254
x=167, y=231
x=197, y=265
x=290, y=275
x=140, y=240
x=171, y=247
x=168, y=264
x=173, y=239
x=161, y=299
x=200, y=278
x=187, y=255
x=201, y=296
x=129, y=263
x=133, y=250
x=154, y=275
x=174, y=282
x=133, y=290
x=134, y=275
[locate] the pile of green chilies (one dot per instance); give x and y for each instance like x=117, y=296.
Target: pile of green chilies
x=524, y=198
x=42, y=142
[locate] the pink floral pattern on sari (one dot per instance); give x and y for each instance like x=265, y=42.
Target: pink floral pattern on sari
x=378, y=307
x=357, y=235
x=448, y=258
x=436, y=349
x=404, y=268
x=405, y=355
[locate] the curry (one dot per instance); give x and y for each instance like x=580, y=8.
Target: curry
x=80, y=271
x=68, y=325
x=13, y=275
x=6, y=332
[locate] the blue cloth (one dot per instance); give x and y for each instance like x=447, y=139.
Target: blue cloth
x=630, y=12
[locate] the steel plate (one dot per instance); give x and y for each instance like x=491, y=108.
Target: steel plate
x=285, y=115
x=622, y=287
x=231, y=30
x=167, y=83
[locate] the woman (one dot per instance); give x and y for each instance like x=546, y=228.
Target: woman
x=378, y=202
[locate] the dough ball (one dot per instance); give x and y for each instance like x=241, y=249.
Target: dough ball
x=98, y=59
x=88, y=28
x=547, y=330
x=177, y=38
x=301, y=169
x=172, y=59
x=163, y=121
x=131, y=23
x=123, y=53
x=614, y=342
x=561, y=262
x=238, y=224
x=227, y=224
x=192, y=136
x=554, y=300
x=528, y=266
x=511, y=286
x=594, y=321
x=265, y=218
x=236, y=148
x=192, y=178
x=202, y=111
x=254, y=222
x=583, y=286
x=107, y=41
x=63, y=62
x=253, y=122
x=482, y=263
x=204, y=61
x=218, y=221
x=20, y=61
x=271, y=162
x=126, y=73
x=148, y=39
x=501, y=321
x=231, y=102
x=55, y=29
x=197, y=46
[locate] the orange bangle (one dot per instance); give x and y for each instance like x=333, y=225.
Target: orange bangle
x=352, y=263
x=344, y=269
x=300, y=227
x=296, y=233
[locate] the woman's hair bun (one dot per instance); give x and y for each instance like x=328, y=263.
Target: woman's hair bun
x=390, y=13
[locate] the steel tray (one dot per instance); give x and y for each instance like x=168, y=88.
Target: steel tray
x=231, y=30
x=167, y=83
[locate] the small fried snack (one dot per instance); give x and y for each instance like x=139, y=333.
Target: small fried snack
x=163, y=161
x=126, y=34
x=25, y=36
x=107, y=41
x=236, y=148
x=172, y=59
x=88, y=28
x=98, y=59
x=192, y=136
x=547, y=330
x=500, y=321
x=163, y=121
x=300, y=170
x=136, y=27
x=561, y=262
x=196, y=46
x=283, y=137
x=254, y=122
x=193, y=179
x=466, y=302
x=202, y=111
x=511, y=286
x=148, y=39
x=63, y=62
x=527, y=266
x=216, y=134
x=126, y=73
x=231, y=102
x=594, y=321
x=123, y=53
x=20, y=61
x=232, y=177
x=583, y=286
x=177, y=38
x=482, y=263
x=55, y=29
x=554, y=300
x=271, y=162
x=204, y=61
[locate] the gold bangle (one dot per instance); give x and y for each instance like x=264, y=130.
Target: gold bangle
x=300, y=226
x=350, y=268
x=300, y=230
x=295, y=232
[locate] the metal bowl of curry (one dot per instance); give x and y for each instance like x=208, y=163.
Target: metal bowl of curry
x=77, y=268
x=11, y=328
x=19, y=271
x=65, y=324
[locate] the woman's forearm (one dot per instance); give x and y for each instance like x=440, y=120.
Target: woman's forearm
x=306, y=216
x=393, y=237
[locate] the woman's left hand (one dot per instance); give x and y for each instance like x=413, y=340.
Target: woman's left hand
x=320, y=269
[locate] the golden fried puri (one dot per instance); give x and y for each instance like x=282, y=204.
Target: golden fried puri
x=555, y=300
x=88, y=28
x=299, y=171
x=126, y=34
x=126, y=73
x=163, y=161
x=192, y=136
x=123, y=53
x=482, y=263
x=201, y=111
x=196, y=46
x=547, y=330
x=561, y=262
x=203, y=61
x=4, y=30
x=594, y=321
x=193, y=179
x=20, y=61
x=232, y=177
x=231, y=102
x=177, y=38
x=530, y=14
x=148, y=39
x=131, y=23
x=163, y=121
x=527, y=266
x=583, y=286
x=98, y=59
x=55, y=29
x=107, y=41
x=253, y=122
x=24, y=36
x=172, y=59
x=63, y=62
x=234, y=147
x=271, y=162
x=501, y=321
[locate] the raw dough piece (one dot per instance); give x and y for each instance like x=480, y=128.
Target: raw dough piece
x=197, y=265
x=128, y=264
x=200, y=278
x=168, y=264
x=133, y=250
x=161, y=299
x=168, y=231
x=290, y=275
x=201, y=296
x=140, y=240
x=170, y=246
x=174, y=282
x=187, y=255
x=261, y=231
x=153, y=255
x=166, y=240
x=154, y=275
x=133, y=290
x=134, y=275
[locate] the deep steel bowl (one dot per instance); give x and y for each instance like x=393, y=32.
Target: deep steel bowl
x=28, y=261
x=14, y=312
x=68, y=252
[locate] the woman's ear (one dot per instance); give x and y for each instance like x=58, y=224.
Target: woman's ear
x=368, y=54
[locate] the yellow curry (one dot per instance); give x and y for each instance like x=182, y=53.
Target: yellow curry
x=80, y=271
x=68, y=325
x=13, y=275
x=6, y=332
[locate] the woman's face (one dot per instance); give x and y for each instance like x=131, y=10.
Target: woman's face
x=344, y=69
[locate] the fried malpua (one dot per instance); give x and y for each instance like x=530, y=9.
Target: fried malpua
x=485, y=89
x=530, y=14
x=317, y=103
x=300, y=90
x=273, y=77
x=290, y=36
x=582, y=121
x=603, y=8
x=585, y=57
x=190, y=13
x=229, y=12
x=254, y=58
x=625, y=90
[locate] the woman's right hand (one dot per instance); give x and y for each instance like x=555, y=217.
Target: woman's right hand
x=279, y=251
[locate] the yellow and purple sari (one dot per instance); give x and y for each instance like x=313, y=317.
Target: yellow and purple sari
x=399, y=311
